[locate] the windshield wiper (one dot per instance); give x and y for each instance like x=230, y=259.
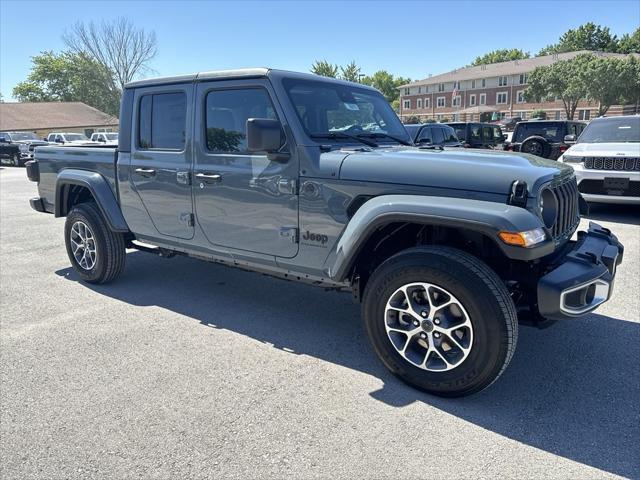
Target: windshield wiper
x=386, y=135
x=369, y=143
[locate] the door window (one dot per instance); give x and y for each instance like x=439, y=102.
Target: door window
x=162, y=121
x=426, y=136
x=438, y=136
x=227, y=112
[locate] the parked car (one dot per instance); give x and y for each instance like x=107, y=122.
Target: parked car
x=544, y=138
x=436, y=134
x=272, y=171
x=106, y=138
x=68, y=138
x=18, y=147
x=508, y=124
x=478, y=135
x=606, y=159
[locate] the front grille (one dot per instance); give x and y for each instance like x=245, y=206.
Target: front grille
x=568, y=215
x=612, y=163
x=596, y=187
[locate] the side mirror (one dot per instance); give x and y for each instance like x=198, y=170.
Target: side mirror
x=569, y=139
x=265, y=135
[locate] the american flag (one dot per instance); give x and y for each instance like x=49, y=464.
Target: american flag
x=454, y=94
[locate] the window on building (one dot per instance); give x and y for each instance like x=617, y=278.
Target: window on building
x=484, y=82
x=557, y=115
x=407, y=91
x=441, y=102
x=406, y=104
x=473, y=84
x=483, y=99
x=419, y=89
x=523, y=78
x=456, y=101
x=502, y=81
x=162, y=121
x=227, y=112
x=520, y=97
x=472, y=100
x=419, y=103
x=427, y=103
x=441, y=87
x=584, y=114
x=501, y=98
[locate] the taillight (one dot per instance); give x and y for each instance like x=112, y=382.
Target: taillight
x=508, y=147
x=563, y=148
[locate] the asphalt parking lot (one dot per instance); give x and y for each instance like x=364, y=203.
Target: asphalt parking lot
x=188, y=369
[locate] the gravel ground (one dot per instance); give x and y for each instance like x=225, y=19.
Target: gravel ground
x=188, y=369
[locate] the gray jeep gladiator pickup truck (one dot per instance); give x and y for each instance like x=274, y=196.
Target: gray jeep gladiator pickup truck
x=316, y=180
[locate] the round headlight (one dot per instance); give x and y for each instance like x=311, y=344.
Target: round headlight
x=548, y=204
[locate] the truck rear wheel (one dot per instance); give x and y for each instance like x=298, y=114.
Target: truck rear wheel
x=96, y=253
x=441, y=320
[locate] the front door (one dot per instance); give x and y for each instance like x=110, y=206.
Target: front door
x=160, y=158
x=243, y=200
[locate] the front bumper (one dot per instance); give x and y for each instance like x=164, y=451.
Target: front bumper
x=582, y=279
x=590, y=185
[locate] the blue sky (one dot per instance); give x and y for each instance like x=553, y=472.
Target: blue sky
x=412, y=39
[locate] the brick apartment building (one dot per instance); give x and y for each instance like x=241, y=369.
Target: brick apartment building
x=492, y=91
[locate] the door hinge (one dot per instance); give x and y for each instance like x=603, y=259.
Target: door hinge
x=183, y=178
x=290, y=233
x=187, y=218
x=288, y=186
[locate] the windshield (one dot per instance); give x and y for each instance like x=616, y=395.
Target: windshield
x=72, y=137
x=326, y=107
x=612, y=130
x=18, y=136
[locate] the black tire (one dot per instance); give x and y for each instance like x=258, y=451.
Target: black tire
x=15, y=160
x=538, y=146
x=484, y=297
x=109, y=245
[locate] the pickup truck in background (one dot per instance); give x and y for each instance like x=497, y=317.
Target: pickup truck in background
x=18, y=147
x=315, y=180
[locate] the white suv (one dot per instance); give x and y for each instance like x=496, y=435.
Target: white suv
x=606, y=159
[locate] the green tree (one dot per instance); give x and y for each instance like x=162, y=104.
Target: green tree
x=387, y=84
x=324, y=68
x=501, y=55
x=564, y=79
x=630, y=43
x=69, y=77
x=586, y=37
x=539, y=113
x=603, y=78
x=351, y=72
x=630, y=80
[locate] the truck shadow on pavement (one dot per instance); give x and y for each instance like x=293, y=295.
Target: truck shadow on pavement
x=571, y=390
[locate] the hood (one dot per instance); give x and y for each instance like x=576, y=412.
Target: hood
x=489, y=171
x=623, y=149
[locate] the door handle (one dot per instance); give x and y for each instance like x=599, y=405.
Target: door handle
x=145, y=172
x=209, y=177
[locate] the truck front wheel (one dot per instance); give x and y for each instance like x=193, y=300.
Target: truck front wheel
x=441, y=320
x=96, y=252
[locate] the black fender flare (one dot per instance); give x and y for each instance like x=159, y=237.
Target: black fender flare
x=488, y=218
x=101, y=191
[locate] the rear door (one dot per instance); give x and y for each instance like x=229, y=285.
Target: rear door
x=161, y=159
x=243, y=200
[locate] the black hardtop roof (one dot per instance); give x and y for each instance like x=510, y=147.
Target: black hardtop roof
x=235, y=74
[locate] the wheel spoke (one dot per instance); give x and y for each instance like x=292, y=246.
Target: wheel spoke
x=83, y=245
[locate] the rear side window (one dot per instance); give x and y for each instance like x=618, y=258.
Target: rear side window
x=449, y=135
x=550, y=131
x=426, y=135
x=162, y=121
x=438, y=136
x=227, y=112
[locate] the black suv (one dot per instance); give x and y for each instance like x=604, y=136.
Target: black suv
x=478, y=135
x=435, y=134
x=545, y=138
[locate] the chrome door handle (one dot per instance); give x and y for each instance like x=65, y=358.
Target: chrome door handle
x=145, y=172
x=209, y=177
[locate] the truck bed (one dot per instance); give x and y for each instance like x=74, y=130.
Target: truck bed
x=53, y=159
